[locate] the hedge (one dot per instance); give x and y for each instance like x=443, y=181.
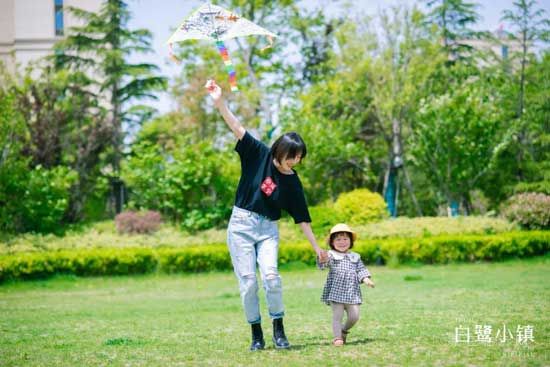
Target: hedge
x=122, y=261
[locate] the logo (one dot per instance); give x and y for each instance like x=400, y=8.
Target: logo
x=268, y=186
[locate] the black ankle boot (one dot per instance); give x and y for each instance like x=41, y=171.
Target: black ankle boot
x=257, y=337
x=279, y=337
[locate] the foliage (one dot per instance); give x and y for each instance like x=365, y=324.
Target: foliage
x=530, y=210
x=457, y=138
x=37, y=199
x=454, y=19
x=361, y=206
x=31, y=198
x=323, y=217
x=65, y=128
x=191, y=259
x=192, y=185
x=13, y=167
x=46, y=199
x=98, y=49
x=138, y=222
x=433, y=226
x=529, y=86
x=333, y=118
x=542, y=187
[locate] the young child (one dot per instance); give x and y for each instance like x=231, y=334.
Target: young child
x=342, y=289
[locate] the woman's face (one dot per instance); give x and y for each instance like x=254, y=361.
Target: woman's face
x=288, y=163
x=341, y=242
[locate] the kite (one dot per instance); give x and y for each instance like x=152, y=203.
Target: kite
x=214, y=23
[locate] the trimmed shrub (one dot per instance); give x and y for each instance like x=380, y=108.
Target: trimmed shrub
x=138, y=222
x=323, y=217
x=531, y=210
x=121, y=261
x=361, y=206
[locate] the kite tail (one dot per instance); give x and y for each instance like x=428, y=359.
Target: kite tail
x=228, y=65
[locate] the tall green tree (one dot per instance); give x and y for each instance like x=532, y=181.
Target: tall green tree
x=457, y=139
x=454, y=19
x=33, y=197
x=65, y=127
x=333, y=117
x=402, y=68
x=100, y=49
x=529, y=25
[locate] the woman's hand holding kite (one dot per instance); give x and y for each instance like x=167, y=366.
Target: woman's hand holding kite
x=216, y=93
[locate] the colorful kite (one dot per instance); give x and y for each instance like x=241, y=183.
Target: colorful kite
x=217, y=24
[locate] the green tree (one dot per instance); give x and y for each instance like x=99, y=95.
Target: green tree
x=100, y=49
x=65, y=127
x=32, y=197
x=457, y=139
x=401, y=70
x=333, y=117
x=528, y=25
x=454, y=19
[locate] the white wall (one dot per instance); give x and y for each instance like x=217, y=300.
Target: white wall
x=34, y=20
x=27, y=28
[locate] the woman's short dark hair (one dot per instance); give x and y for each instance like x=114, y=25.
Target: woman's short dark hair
x=333, y=236
x=288, y=146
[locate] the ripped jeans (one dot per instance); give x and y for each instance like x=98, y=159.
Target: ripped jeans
x=253, y=238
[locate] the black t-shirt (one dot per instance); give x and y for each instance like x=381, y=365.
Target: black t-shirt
x=263, y=189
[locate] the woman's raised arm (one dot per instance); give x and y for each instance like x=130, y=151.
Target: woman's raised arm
x=234, y=124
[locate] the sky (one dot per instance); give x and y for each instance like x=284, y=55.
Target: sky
x=162, y=16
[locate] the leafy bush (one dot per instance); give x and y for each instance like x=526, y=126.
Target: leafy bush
x=542, y=187
x=31, y=199
x=115, y=261
x=361, y=206
x=37, y=199
x=323, y=217
x=434, y=226
x=46, y=198
x=530, y=210
x=138, y=222
x=193, y=185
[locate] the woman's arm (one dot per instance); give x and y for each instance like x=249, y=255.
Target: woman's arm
x=321, y=254
x=216, y=93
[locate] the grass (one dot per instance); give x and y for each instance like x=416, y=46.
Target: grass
x=409, y=319
x=103, y=234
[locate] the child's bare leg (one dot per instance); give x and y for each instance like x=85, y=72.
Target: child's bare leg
x=337, y=315
x=353, y=316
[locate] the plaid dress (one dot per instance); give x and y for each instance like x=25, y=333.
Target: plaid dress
x=344, y=278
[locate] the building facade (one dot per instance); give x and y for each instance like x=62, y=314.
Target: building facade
x=30, y=28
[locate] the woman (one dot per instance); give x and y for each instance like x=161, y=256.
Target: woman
x=268, y=184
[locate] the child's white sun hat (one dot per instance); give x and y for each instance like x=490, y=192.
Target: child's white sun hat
x=341, y=227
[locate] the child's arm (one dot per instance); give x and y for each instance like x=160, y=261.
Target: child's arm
x=216, y=93
x=368, y=282
x=322, y=265
x=363, y=274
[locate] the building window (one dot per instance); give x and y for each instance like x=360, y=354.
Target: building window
x=58, y=17
x=504, y=51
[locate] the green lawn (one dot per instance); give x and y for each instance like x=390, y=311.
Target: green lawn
x=186, y=320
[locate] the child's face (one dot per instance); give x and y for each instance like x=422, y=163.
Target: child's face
x=341, y=241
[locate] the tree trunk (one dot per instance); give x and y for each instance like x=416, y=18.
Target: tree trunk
x=410, y=189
